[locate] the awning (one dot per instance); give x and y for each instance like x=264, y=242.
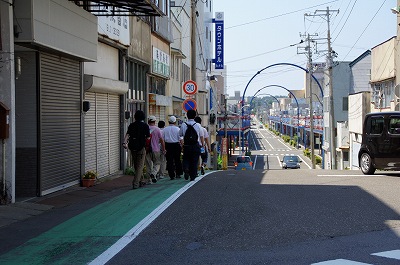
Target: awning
x=178, y=52
x=104, y=85
x=177, y=99
x=121, y=8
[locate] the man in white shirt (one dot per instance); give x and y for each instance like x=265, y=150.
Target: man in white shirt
x=206, y=147
x=191, y=148
x=174, y=149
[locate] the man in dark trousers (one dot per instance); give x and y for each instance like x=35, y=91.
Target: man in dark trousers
x=174, y=149
x=193, y=139
x=135, y=140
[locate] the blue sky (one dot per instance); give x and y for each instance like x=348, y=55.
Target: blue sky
x=259, y=33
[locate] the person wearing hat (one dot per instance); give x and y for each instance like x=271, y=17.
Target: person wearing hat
x=154, y=156
x=163, y=161
x=173, y=147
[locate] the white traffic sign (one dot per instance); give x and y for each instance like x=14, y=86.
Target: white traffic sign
x=190, y=87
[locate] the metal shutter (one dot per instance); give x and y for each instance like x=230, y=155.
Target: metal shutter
x=115, y=142
x=60, y=122
x=102, y=134
x=162, y=113
x=90, y=133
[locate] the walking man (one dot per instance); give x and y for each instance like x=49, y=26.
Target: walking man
x=193, y=138
x=163, y=161
x=205, y=150
x=173, y=146
x=135, y=139
x=153, y=157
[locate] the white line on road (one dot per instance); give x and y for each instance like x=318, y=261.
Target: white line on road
x=137, y=229
x=393, y=254
x=279, y=161
x=306, y=163
x=344, y=175
x=340, y=262
x=255, y=161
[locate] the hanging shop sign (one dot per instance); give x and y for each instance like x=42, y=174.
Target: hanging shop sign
x=160, y=62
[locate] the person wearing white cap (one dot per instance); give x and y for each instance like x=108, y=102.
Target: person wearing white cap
x=173, y=147
x=153, y=156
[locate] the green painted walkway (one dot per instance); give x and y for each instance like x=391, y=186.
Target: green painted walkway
x=85, y=236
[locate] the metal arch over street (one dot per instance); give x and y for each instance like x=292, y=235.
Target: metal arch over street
x=298, y=110
x=278, y=64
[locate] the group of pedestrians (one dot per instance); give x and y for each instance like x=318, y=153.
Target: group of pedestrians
x=160, y=148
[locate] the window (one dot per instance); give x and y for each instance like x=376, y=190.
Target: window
x=382, y=94
x=345, y=156
x=185, y=72
x=137, y=80
x=376, y=125
x=345, y=106
x=394, y=125
x=157, y=85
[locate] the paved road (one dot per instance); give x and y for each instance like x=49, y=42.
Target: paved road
x=275, y=217
x=261, y=216
x=269, y=149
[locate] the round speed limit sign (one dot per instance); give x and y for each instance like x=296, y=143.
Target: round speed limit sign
x=190, y=87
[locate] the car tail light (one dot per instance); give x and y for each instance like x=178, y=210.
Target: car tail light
x=235, y=164
x=251, y=163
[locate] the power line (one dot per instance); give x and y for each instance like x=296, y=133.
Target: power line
x=362, y=33
x=281, y=15
x=344, y=24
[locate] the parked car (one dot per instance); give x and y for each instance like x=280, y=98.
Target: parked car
x=380, y=146
x=290, y=161
x=243, y=163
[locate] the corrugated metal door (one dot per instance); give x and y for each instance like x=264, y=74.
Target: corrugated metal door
x=60, y=122
x=115, y=142
x=90, y=133
x=102, y=134
x=102, y=140
x=162, y=113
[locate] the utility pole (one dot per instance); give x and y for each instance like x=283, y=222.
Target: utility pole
x=308, y=52
x=310, y=68
x=331, y=114
x=331, y=105
x=193, y=40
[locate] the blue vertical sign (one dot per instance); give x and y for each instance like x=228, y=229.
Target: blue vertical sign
x=219, y=40
x=211, y=98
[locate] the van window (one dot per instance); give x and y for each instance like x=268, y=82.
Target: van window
x=376, y=125
x=243, y=159
x=394, y=125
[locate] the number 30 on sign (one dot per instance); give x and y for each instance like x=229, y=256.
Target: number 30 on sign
x=190, y=87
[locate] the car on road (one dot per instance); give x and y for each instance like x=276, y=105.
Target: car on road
x=261, y=126
x=290, y=161
x=243, y=163
x=380, y=146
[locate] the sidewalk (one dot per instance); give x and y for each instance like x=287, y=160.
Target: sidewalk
x=19, y=211
x=59, y=227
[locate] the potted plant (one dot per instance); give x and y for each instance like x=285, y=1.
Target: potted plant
x=89, y=178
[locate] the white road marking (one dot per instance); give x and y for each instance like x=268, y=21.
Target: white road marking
x=306, y=163
x=393, y=254
x=340, y=262
x=255, y=161
x=279, y=161
x=344, y=175
x=137, y=229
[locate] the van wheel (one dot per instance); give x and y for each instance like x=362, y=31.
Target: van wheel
x=366, y=164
